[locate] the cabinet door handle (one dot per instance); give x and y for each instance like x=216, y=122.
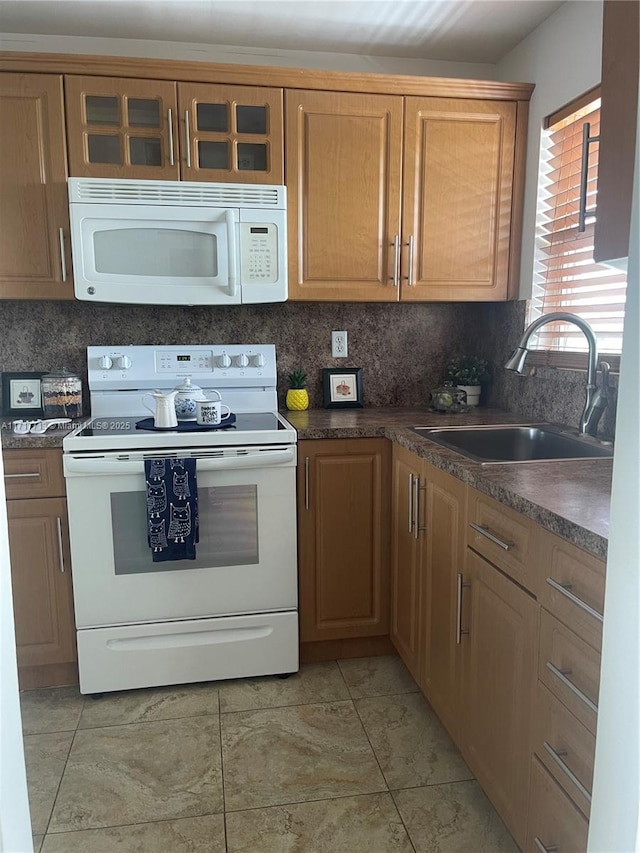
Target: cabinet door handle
x=187, y=138
x=396, y=260
x=170, y=123
x=557, y=756
x=19, y=476
x=484, y=531
x=410, y=502
x=565, y=589
x=587, y=140
x=60, y=550
x=542, y=848
x=63, y=260
x=306, y=482
x=410, y=278
x=460, y=585
x=562, y=674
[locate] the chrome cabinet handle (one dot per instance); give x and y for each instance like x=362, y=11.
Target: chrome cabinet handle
x=484, y=531
x=63, y=260
x=60, y=551
x=565, y=589
x=460, y=585
x=306, y=482
x=187, y=138
x=170, y=123
x=541, y=847
x=410, y=279
x=562, y=676
x=396, y=260
x=416, y=501
x=410, y=502
x=557, y=756
x=19, y=476
x=587, y=140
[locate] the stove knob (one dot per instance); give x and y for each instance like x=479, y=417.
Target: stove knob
x=258, y=360
x=224, y=360
x=123, y=362
x=241, y=360
x=105, y=362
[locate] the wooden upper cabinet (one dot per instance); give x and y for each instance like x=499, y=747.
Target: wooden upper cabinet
x=35, y=258
x=343, y=178
x=231, y=133
x=618, y=120
x=458, y=180
x=120, y=128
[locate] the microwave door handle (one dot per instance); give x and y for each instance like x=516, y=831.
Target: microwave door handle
x=232, y=261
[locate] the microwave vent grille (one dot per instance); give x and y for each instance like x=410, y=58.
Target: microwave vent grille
x=176, y=193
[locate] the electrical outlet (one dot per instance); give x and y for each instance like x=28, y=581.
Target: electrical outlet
x=339, y=344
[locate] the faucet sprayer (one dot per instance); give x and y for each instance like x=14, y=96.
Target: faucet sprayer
x=596, y=398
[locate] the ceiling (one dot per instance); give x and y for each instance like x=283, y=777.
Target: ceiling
x=455, y=30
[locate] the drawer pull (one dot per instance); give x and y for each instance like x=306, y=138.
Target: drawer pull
x=306, y=482
x=557, y=756
x=63, y=259
x=484, y=531
x=565, y=589
x=60, y=550
x=542, y=848
x=562, y=674
x=20, y=476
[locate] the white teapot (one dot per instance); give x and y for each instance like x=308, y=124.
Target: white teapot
x=187, y=395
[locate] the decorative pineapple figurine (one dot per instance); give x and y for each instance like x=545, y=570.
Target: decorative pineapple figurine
x=297, y=395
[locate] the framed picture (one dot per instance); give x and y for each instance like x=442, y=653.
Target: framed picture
x=22, y=393
x=342, y=388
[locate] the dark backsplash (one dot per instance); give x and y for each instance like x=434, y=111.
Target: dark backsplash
x=402, y=348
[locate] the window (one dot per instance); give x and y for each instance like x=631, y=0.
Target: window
x=566, y=278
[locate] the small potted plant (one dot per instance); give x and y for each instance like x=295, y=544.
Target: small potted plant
x=297, y=395
x=469, y=373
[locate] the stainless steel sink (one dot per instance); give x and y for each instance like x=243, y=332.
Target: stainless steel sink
x=531, y=443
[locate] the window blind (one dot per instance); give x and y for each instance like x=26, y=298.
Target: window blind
x=566, y=277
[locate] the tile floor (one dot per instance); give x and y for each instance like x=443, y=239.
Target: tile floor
x=344, y=756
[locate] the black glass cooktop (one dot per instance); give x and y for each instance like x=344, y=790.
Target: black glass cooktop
x=248, y=422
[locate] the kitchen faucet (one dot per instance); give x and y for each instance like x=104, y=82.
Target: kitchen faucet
x=596, y=398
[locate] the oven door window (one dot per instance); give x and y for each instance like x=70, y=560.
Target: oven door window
x=228, y=531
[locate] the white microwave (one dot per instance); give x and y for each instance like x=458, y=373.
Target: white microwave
x=177, y=242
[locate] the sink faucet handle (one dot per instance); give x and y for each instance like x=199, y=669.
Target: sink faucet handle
x=605, y=368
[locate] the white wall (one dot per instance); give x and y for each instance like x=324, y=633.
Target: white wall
x=15, y=824
x=244, y=55
x=563, y=57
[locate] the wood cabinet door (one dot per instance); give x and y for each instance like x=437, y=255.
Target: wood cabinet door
x=458, y=181
x=499, y=683
x=442, y=595
x=231, y=133
x=406, y=557
x=121, y=128
x=41, y=581
x=35, y=256
x=343, y=172
x=343, y=538
x=618, y=122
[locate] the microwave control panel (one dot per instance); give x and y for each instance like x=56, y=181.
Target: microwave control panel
x=258, y=253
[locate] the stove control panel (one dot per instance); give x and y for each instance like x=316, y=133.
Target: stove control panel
x=230, y=366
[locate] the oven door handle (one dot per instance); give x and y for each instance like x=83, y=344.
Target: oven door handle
x=102, y=465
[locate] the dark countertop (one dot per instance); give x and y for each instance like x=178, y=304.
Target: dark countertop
x=51, y=438
x=570, y=499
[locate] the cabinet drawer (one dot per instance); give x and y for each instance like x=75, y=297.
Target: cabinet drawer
x=33, y=474
x=570, y=668
x=501, y=535
x=570, y=584
x=554, y=822
x=565, y=747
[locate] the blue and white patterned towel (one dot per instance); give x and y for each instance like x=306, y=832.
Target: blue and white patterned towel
x=172, y=508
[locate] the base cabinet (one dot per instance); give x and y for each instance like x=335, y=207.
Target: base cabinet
x=40, y=569
x=343, y=538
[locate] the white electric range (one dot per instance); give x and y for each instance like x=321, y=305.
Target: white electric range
x=231, y=611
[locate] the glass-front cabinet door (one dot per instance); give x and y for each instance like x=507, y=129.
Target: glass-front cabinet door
x=119, y=128
x=231, y=133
